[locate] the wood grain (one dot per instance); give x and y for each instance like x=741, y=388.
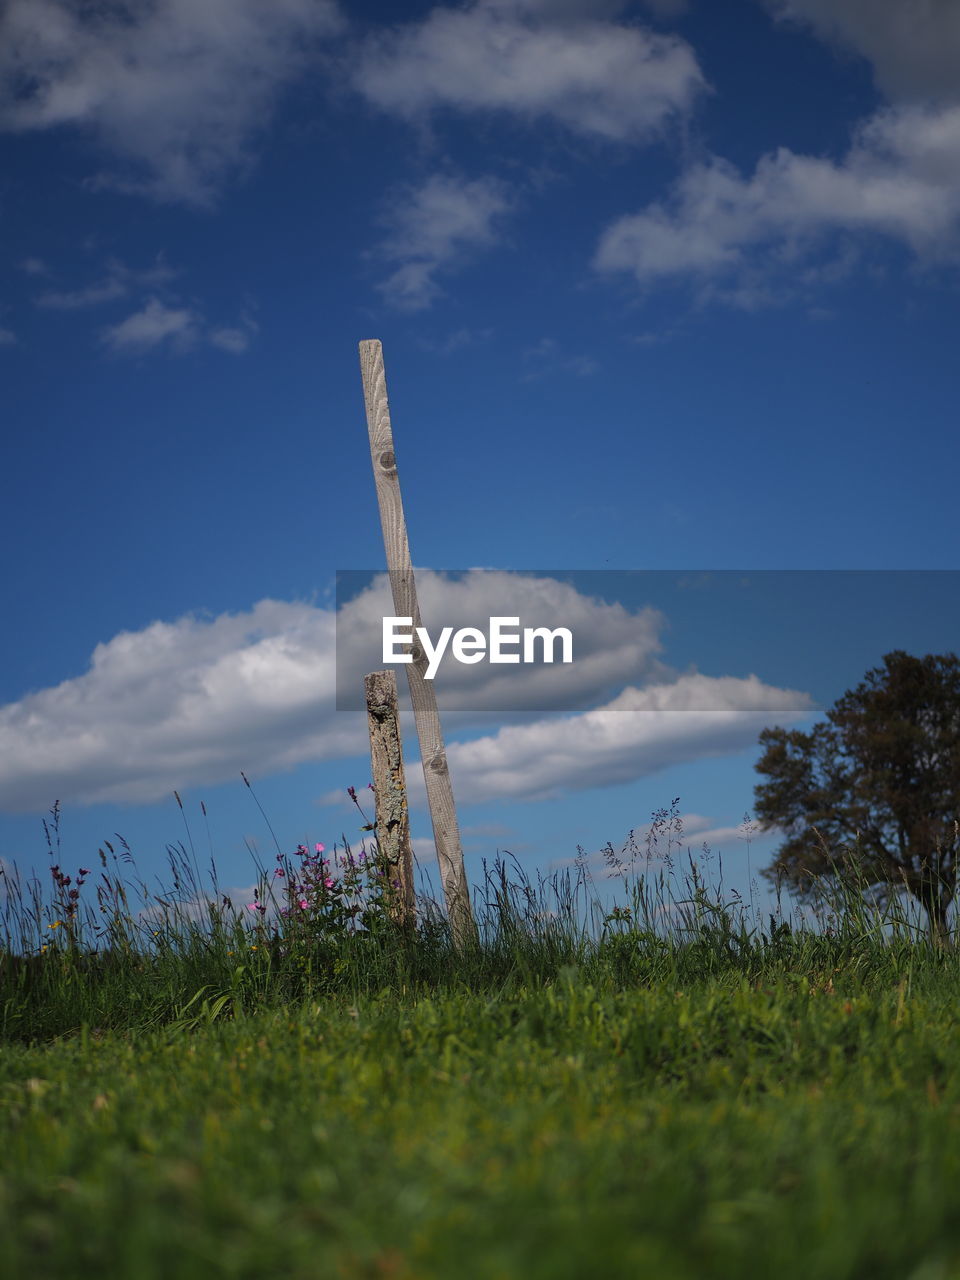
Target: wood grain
x=392, y=826
x=433, y=754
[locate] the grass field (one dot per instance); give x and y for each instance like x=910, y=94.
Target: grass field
x=239, y=1101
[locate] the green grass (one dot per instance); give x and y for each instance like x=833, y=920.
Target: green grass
x=723, y=1129
x=248, y=1097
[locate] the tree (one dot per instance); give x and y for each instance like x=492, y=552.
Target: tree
x=873, y=790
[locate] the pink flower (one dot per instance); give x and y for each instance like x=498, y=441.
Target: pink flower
x=303, y=904
x=328, y=883
x=320, y=848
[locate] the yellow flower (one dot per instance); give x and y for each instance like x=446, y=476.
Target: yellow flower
x=254, y=947
x=56, y=924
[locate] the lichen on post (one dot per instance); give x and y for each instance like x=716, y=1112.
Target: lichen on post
x=392, y=824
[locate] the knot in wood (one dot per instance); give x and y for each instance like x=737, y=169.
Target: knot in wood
x=438, y=764
x=388, y=460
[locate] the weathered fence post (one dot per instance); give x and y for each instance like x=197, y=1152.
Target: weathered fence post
x=433, y=754
x=392, y=827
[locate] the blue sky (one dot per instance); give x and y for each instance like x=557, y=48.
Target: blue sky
x=661, y=286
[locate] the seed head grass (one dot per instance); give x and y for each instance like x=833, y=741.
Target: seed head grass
x=672, y=1084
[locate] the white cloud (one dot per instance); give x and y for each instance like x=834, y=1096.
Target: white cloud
x=193, y=702
x=436, y=227
x=611, y=644
x=153, y=326
x=180, y=329
x=178, y=704
x=7, y=338
x=750, y=239
x=914, y=48
x=236, y=341
x=566, y=62
x=92, y=295
x=900, y=179
x=175, y=90
x=637, y=734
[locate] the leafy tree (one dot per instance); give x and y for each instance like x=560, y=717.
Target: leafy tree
x=874, y=790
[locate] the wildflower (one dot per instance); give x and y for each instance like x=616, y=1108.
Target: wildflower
x=56, y=924
x=320, y=848
x=328, y=883
x=279, y=871
x=304, y=904
x=84, y=871
x=352, y=792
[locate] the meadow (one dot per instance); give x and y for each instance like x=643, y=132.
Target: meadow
x=670, y=1087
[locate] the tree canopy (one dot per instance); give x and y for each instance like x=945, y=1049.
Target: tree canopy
x=874, y=790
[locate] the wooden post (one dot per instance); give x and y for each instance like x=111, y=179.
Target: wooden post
x=433, y=754
x=392, y=828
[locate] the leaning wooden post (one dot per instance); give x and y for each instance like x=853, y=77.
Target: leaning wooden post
x=392, y=827
x=433, y=754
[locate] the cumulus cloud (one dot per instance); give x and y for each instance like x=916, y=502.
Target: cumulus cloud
x=636, y=734
x=435, y=228
x=175, y=91
x=803, y=220
x=914, y=48
x=900, y=180
x=568, y=62
x=193, y=702
x=611, y=645
x=176, y=704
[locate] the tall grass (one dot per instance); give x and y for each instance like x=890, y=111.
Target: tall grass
x=96, y=947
